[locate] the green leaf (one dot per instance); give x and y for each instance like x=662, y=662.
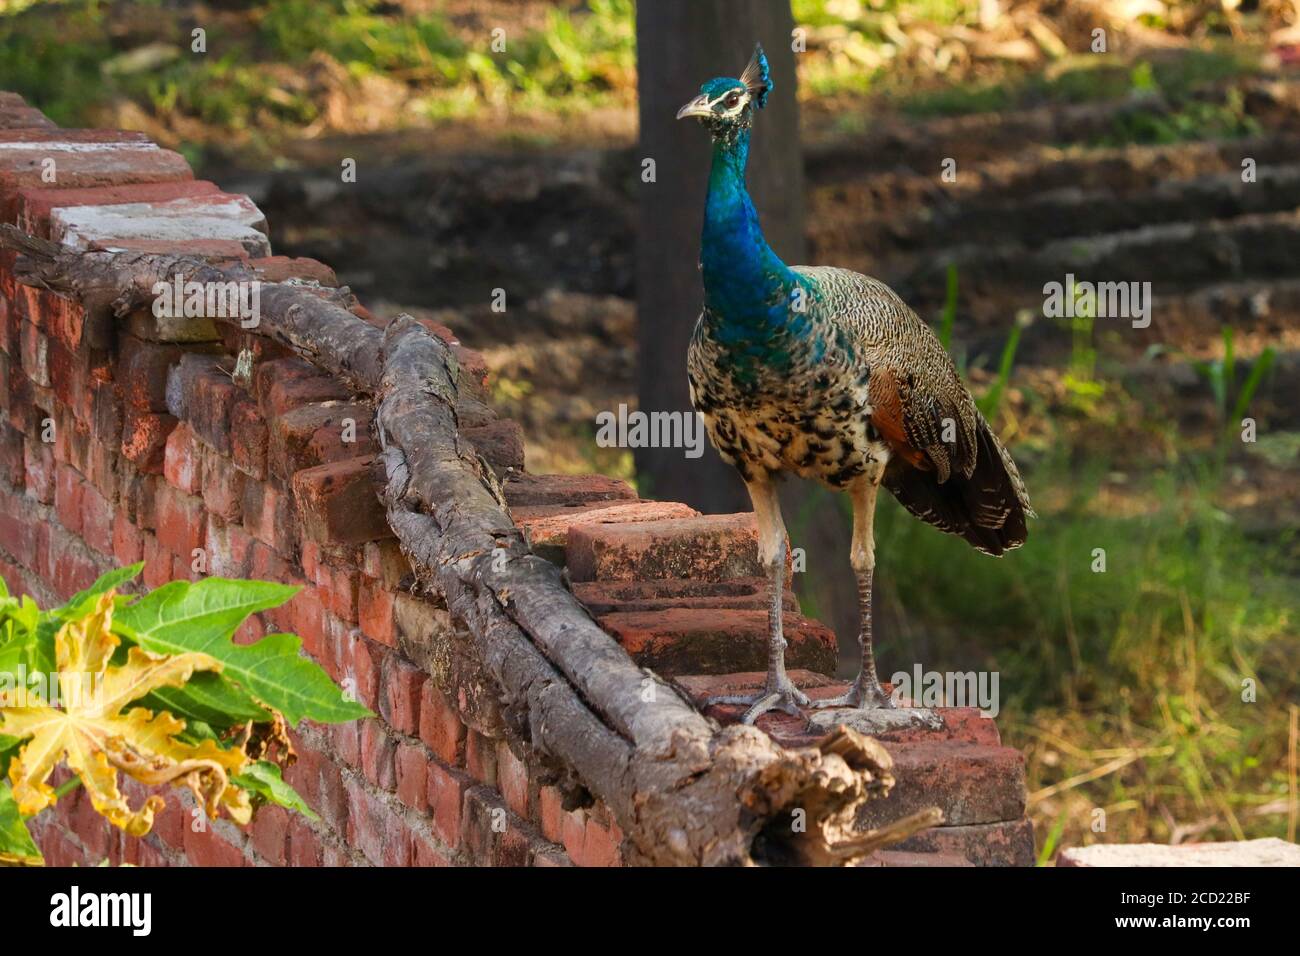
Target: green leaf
x=82, y=603
x=16, y=844
x=263, y=779
x=210, y=698
x=181, y=617
x=8, y=750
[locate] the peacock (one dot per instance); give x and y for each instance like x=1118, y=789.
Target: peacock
x=828, y=375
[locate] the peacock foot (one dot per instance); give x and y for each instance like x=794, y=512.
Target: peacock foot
x=862, y=694
x=777, y=694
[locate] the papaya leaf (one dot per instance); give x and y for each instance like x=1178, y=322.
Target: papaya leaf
x=181, y=617
x=209, y=698
x=83, y=602
x=96, y=732
x=263, y=779
x=16, y=843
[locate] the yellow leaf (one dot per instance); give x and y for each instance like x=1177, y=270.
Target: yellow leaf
x=87, y=729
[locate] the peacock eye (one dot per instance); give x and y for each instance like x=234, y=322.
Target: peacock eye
x=731, y=100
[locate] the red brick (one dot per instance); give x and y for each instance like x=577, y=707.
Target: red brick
x=376, y=613
x=338, y=503
x=203, y=394
x=230, y=549
x=481, y=758
x=283, y=268
x=67, y=497
x=288, y=383
x=144, y=439
x=269, y=517
x=512, y=780
x=551, y=813
x=97, y=520
x=708, y=548
x=313, y=435
x=446, y=800
x=38, y=463
x=384, y=561
x=182, y=522
x=183, y=460
x=304, y=844
x=209, y=848
x=248, y=439
x=523, y=490
x=342, y=592
x=157, y=563
x=270, y=834
x=970, y=783
x=223, y=487
x=427, y=853
x=548, y=527
x=600, y=846
x=440, y=726
x=141, y=372
x=691, y=641
x=500, y=442
x=128, y=542
x=607, y=597
x=366, y=663
x=400, y=703
x=412, y=776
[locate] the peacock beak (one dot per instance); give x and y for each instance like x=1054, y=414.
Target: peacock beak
x=696, y=107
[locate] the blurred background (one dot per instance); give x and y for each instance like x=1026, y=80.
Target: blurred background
x=1161, y=690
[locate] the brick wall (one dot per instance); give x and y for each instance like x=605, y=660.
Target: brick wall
x=128, y=440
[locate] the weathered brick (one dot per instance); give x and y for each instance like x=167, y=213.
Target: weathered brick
x=39, y=470
x=223, y=487
x=249, y=438
x=400, y=702
x=67, y=497
x=144, y=439
x=412, y=776
x=500, y=442
x=481, y=758
x=208, y=847
x=708, y=548
x=182, y=522
x=441, y=728
x=304, y=844
x=97, y=520
x=384, y=561
x=270, y=834
x=524, y=490
x=182, y=460
x=548, y=527
x=128, y=542
x=318, y=433
x=288, y=383
x=141, y=372
x=970, y=783
x=446, y=801
x=338, y=504
x=512, y=780
x=269, y=517
x=717, y=641
x=376, y=613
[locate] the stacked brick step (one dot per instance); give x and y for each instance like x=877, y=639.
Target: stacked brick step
x=684, y=594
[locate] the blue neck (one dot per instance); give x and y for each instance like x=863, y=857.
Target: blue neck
x=745, y=283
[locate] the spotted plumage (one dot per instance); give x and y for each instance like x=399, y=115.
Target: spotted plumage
x=827, y=374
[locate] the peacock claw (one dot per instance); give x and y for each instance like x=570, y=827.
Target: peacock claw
x=782, y=696
x=860, y=697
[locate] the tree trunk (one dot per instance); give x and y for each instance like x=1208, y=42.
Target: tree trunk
x=681, y=44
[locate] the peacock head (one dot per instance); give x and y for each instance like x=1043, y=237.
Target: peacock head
x=725, y=105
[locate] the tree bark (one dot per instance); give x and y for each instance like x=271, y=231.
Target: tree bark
x=680, y=44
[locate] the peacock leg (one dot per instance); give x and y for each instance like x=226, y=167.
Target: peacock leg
x=779, y=692
x=865, y=692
